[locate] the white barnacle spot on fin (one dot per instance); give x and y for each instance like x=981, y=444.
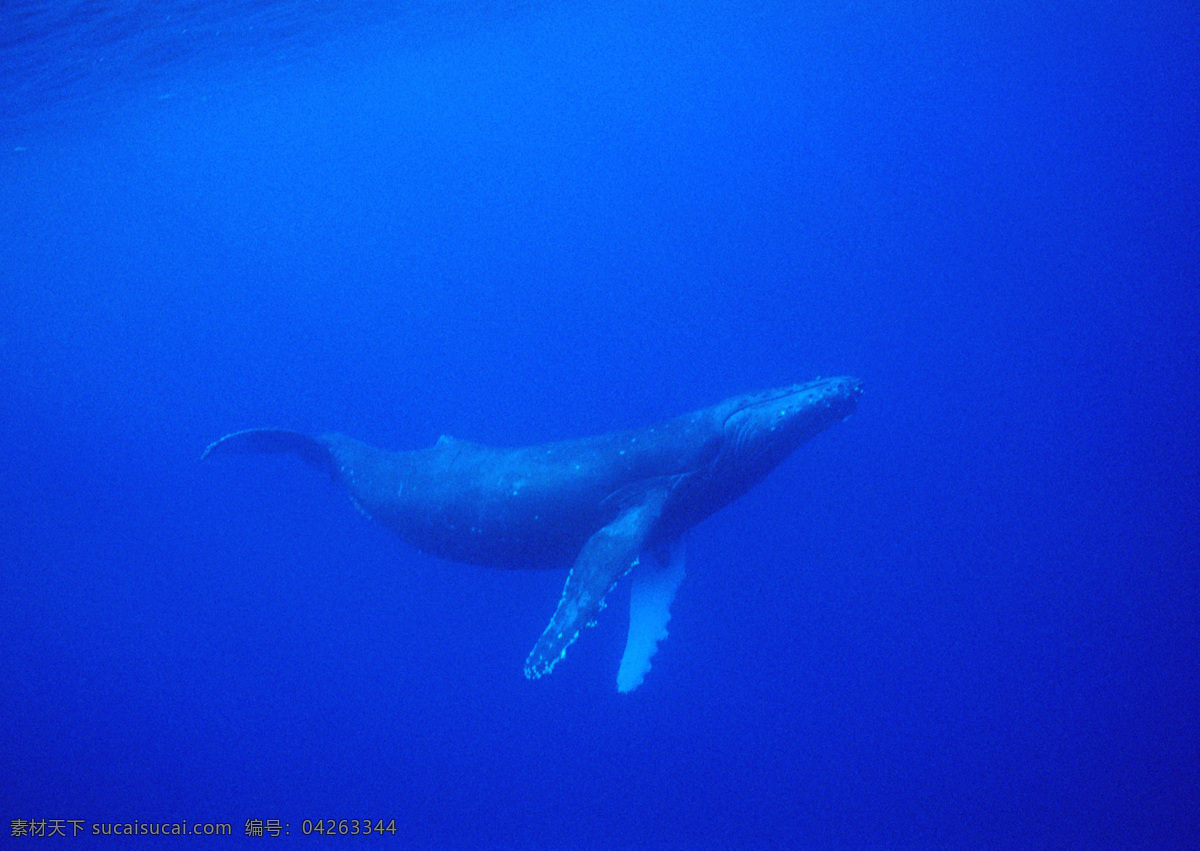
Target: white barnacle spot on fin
x=360, y=508
x=654, y=587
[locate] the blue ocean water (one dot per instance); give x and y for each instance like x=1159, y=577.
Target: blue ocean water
x=966, y=617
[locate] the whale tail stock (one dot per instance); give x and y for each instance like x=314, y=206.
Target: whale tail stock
x=311, y=450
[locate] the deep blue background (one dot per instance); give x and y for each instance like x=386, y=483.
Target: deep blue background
x=970, y=615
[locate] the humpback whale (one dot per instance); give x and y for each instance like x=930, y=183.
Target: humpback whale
x=601, y=506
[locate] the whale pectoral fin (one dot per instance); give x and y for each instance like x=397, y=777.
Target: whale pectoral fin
x=606, y=557
x=656, y=578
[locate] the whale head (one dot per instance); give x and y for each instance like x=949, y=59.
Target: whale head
x=761, y=429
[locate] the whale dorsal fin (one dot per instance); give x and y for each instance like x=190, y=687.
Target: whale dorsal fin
x=445, y=441
x=606, y=557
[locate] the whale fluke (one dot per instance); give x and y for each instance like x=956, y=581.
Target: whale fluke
x=260, y=441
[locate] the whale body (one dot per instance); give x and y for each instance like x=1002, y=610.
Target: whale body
x=600, y=506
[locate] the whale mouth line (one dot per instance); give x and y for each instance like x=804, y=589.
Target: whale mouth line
x=768, y=399
x=821, y=387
